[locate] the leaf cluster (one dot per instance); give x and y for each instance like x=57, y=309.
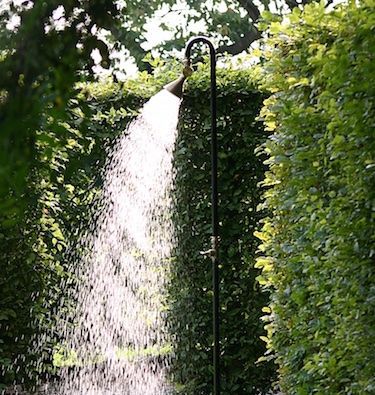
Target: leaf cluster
x=64, y=180
x=190, y=289
x=318, y=242
x=40, y=149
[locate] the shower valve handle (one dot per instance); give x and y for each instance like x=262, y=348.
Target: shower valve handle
x=212, y=252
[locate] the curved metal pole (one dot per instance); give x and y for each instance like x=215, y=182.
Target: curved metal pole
x=214, y=199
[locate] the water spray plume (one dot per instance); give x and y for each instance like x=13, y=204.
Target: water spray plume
x=115, y=341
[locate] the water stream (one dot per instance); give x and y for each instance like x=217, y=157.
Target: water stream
x=116, y=337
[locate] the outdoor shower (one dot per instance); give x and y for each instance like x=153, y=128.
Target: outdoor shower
x=176, y=88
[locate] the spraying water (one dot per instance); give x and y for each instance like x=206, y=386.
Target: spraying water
x=116, y=334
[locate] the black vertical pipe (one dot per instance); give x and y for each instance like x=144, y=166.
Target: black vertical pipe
x=214, y=208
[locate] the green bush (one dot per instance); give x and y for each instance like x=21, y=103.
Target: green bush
x=66, y=180
x=190, y=293
x=318, y=245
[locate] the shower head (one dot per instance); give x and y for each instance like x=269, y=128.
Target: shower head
x=175, y=87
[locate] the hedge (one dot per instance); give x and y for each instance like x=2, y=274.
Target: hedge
x=67, y=180
x=34, y=253
x=318, y=243
x=190, y=293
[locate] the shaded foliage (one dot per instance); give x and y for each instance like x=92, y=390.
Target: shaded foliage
x=319, y=242
x=190, y=292
x=66, y=180
x=39, y=66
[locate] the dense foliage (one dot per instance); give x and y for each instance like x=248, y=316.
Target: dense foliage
x=318, y=245
x=190, y=290
x=66, y=179
x=40, y=62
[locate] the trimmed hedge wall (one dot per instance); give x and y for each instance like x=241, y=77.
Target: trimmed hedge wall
x=318, y=245
x=190, y=290
x=67, y=179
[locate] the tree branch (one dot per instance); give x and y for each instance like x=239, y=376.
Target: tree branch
x=249, y=37
x=292, y=3
x=242, y=44
x=251, y=9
